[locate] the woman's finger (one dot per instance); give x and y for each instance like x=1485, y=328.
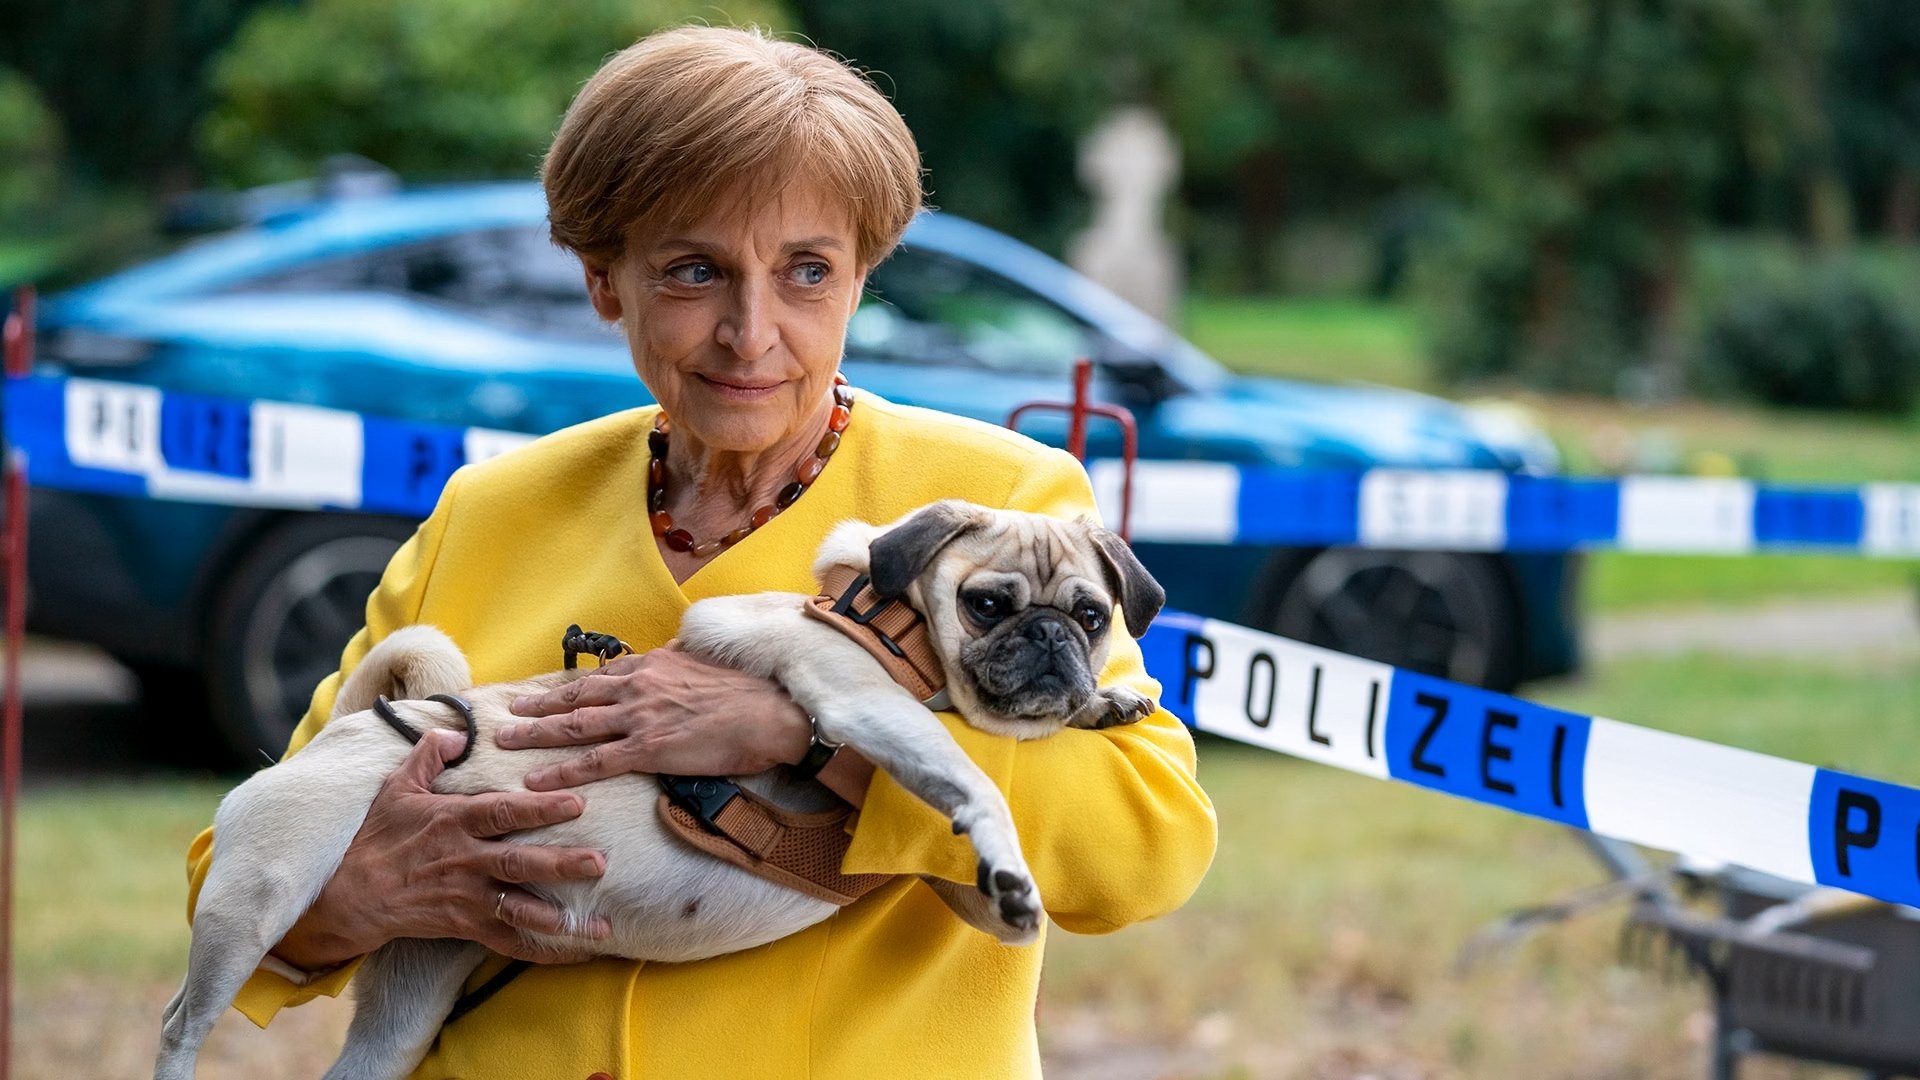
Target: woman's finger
x=584, y=725
x=497, y=813
x=597, y=762
x=524, y=911
x=524, y=863
x=593, y=688
x=426, y=760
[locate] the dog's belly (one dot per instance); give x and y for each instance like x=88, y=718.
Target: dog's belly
x=665, y=899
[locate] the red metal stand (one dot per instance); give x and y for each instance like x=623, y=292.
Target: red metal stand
x=18, y=340
x=1081, y=407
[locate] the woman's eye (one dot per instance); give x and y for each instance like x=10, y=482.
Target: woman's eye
x=1091, y=618
x=698, y=273
x=986, y=606
x=810, y=273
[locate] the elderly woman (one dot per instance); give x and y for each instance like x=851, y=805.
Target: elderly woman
x=727, y=196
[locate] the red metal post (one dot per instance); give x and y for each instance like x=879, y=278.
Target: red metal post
x=1077, y=419
x=1077, y=412
x=19, y=361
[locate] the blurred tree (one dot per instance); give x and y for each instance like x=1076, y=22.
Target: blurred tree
x=430, y=88
x=992, y=153
x=1874, y=98
x=30, y=147
x=1327, y=106
x=1587, y=134
x=126, y=77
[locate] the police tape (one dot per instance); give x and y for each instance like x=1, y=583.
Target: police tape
x=1679, y=794
x=1668, y=791
x=130, y=439
x=1198, y=502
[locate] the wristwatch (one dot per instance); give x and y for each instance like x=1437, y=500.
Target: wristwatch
x=819, y=751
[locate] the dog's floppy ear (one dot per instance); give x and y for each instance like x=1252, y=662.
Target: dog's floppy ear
x=898, y=555
x=1140, y=596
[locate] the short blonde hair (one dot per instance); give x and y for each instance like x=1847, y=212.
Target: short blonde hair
x=684, y=118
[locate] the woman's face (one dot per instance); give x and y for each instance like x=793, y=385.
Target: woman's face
x=736, y=322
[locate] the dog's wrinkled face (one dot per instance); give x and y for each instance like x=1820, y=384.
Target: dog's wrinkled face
x=1021, y=607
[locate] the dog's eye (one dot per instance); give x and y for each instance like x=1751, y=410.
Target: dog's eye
x=1090, y=618
x=986, y=606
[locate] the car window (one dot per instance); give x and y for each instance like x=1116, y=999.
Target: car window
x=925, y=307
x=514, y=277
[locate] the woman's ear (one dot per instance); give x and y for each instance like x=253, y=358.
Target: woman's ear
x=600, y=288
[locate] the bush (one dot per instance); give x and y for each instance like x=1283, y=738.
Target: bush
x=29, y=153
x=430, y=88
x=1827, y=336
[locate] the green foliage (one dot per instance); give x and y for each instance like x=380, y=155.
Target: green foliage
x=30, y=145
x=1282, y=110
x=1587, y=134
x=431, y=88
x=125, y=77
x=1824, y=337
x=991, y=152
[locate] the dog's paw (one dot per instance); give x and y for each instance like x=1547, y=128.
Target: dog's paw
x=1112, y=706
x=1014, y=899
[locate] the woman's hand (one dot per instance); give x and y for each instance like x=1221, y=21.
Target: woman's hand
x=427, y=866
x=660, y=712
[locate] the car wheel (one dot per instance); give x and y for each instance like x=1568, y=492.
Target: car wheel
x=1437, y=613
x=284, y=616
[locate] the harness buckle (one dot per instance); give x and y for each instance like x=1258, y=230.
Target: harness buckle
x=702, y=796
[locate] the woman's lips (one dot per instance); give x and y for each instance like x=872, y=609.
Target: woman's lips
x=740, y=390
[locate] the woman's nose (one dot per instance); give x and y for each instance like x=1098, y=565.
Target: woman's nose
x=748, y=327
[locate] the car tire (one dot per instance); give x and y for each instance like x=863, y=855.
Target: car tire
x=282, y=618
x=1438, y=613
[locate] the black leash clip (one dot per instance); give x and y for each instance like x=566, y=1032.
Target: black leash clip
x=605, y=646
x=702, y=796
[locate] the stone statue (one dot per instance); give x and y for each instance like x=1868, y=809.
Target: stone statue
x=1129, y=163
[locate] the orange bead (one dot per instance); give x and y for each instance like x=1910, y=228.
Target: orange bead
x=764, y=515
x=837, y=419
x=839, y=378
x=809, y=470
x=663, y=425
x=662, y=521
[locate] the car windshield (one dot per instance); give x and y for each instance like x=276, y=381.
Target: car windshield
x=512, y=277
x=925, y=307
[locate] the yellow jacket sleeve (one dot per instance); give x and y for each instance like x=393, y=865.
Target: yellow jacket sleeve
x=394, y=603
x=1115, y=827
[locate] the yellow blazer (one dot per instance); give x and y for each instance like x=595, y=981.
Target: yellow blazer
x=1114, y=825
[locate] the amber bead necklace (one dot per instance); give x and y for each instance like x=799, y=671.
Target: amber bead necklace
x=804, y=474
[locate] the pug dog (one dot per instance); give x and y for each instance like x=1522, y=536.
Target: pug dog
x=1019, y=609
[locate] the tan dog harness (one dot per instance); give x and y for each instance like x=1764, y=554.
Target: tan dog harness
x=803, y=851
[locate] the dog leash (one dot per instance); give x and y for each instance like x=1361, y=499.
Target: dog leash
x=384, y=710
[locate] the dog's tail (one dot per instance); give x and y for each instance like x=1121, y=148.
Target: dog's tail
x=412, y=662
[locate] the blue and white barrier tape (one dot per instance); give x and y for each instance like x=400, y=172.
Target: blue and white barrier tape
x=126, y=439
x=1679, y=794
x=1667, y=791
x=1483, y=510
x=122, y=438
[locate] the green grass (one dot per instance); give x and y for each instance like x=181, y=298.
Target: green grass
x=1336, y=340
x=102, y=877
x=1331, y=340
